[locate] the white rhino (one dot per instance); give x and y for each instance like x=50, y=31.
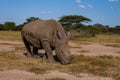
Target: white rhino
x=48, y=35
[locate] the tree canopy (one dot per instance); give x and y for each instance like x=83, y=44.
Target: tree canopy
x=9, y=25
x=74, y=19
x=31, y=19
x=66, y=21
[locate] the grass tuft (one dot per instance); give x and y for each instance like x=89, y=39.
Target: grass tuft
x=35, y=79
x=38, y=70
x=83, y=51
x=100, y=65
x=113, y=45
x=55, y=79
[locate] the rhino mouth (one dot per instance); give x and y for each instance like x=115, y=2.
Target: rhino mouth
x=64, y=59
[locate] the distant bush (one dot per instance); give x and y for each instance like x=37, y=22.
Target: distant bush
x=80, y=30
x=72, y=23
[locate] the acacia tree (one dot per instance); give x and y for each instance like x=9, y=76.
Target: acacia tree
x=74, y=19
x=31, y=19
x=68, y=20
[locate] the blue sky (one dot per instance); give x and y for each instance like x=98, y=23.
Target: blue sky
x=106, y=12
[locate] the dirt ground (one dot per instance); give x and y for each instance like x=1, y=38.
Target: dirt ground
x=89, y=49
x=94, y=49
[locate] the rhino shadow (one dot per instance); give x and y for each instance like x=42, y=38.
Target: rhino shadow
x=41, y=55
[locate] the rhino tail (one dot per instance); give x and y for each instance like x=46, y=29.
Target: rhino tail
x=27, y=45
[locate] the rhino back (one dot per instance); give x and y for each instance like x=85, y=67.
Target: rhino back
x=37, y=31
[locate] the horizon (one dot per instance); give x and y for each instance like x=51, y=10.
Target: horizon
x=105, y=12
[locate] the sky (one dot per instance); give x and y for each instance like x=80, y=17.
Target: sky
x=106, y=12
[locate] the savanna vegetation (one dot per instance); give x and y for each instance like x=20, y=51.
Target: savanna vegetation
x=102, y=65
x=107, y=66
x=72, y=23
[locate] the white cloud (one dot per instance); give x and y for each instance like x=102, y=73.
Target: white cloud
x=112, y=0
x=78, y=1
x=81, y=6
x=89, y=5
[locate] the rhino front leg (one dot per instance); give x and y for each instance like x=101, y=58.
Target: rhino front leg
x=48, y=52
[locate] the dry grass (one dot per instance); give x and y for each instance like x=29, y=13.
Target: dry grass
x=10, y=35
x=9, y=60
x=16, y=36
x=55, y=79
x=102, y=65
x=50, y=79
x=100, y=39
x=113, y=45
x=83, y=51
x=34, y=79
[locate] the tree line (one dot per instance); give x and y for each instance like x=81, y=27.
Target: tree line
x=70, y=23
x=11, y=26
x=74, y=22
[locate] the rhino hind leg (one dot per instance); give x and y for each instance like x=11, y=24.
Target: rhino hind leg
x=48, y=52
x=35, y=51
x=27, y=45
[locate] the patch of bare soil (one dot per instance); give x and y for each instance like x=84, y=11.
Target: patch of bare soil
x=23, y=75
x=89, y=49
x=11, y=42
x=92, y=49
x=6, y=48
x=8, y=45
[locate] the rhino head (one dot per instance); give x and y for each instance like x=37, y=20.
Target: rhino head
x=61, y=48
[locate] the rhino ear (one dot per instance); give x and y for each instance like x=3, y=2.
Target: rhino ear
x=59, y=35
x=68, y=34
